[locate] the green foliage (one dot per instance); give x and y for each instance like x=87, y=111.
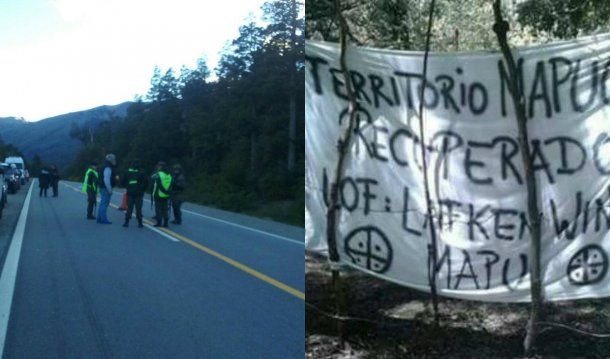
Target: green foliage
x=231, y=135
x=35, y=166
x=464, y=25
x=7, y=150
x=163, y=87
x=566, y=18
x=83, y=158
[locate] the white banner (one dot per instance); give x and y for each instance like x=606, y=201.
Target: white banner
x=475, y=167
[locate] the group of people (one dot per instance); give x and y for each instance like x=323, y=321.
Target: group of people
x=49, y=177
x=166, y=186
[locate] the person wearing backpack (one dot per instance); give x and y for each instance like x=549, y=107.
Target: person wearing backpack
x=135, y=183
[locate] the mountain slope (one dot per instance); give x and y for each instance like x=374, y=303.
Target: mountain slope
x=50, y=138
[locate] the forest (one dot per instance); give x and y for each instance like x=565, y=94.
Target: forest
x=238, y=134
x=7, y=149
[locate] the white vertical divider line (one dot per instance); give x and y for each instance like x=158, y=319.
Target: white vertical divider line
x=9, y=271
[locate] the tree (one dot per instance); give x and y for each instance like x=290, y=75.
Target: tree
x=286, y=34
x=164, y=87
x=235, y=70
x=238, y=57
x=192, y=83
x=565, y=18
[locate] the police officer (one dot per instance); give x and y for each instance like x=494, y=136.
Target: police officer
x=135, y=183
x=178, y=187
x=162, y=184
x=54, y=180
x=43, y=181
x=90, y=188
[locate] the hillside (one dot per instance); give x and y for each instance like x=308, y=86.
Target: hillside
x=50, y=138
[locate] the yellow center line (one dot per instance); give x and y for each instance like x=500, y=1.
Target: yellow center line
x=234, y=263
x=237, y=264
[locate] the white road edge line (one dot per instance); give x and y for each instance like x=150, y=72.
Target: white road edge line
x=9, y=272
x=232, y=224
x=244, y=227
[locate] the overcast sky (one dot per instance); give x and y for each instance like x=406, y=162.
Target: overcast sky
x=59, y=56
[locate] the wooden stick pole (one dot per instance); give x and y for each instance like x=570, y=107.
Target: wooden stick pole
x=501, y=28
x=433, y=248
x=334, y=208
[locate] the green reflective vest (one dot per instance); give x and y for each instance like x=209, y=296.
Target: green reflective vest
x=132, y=181
x=162, y=184
x=93, y=184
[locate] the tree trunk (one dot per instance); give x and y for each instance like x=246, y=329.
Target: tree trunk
x=333, y=209
x=292, y=127
x=501, y=28
x=253, y=146
x=433, y=246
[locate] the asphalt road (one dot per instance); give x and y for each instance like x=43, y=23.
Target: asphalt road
x=219, y=286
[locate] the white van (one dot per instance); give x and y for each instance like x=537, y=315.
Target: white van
x=17, y=161
x=19, y=164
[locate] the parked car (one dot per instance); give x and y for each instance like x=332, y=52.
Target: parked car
x=21, y=176
x=3, y=192
x=11, y=178
x=16, y=174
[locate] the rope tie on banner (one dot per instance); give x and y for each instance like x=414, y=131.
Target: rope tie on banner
x=335, y=266
x=344, y=318
x=573, y=329
x=340, y=318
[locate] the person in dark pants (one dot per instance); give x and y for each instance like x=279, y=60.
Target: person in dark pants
x=107, y=181
x=135, y=183
x=90, y=188
x=44, y=179
x=177, y=193
x=162, y=183
x=54, y=180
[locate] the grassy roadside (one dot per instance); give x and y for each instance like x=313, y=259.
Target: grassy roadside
x=287, y=211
